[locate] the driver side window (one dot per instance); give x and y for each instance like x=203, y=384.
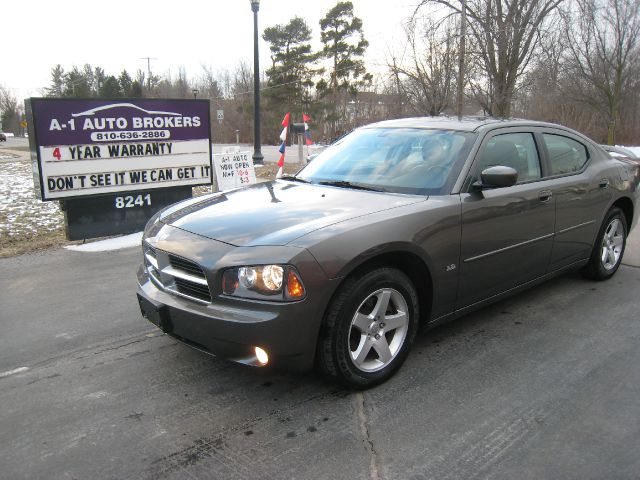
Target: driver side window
x=515, y=150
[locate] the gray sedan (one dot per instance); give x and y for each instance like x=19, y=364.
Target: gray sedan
x=401, y=224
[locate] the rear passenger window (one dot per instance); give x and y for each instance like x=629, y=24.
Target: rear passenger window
x=565, y=155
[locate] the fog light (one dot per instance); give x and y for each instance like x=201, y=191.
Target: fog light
x=263, y=358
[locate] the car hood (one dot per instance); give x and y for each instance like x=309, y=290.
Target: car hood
x=276, y=213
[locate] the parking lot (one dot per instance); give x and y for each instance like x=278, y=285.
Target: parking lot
x=543, y=385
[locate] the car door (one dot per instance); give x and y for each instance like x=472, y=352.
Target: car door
x=506, y=233
x=581, y=190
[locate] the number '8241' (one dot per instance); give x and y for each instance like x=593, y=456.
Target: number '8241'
x=131, y=201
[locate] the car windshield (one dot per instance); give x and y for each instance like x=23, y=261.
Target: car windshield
x=400, y=160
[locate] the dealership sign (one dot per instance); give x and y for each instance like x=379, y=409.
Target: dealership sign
x=89, y=147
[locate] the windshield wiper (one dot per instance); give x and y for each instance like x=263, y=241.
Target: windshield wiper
x=294, y=179
x=355, y=186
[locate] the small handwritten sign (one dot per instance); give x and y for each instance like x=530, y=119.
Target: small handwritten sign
x=234, y=170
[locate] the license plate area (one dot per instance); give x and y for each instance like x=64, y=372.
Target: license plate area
x=156, y=314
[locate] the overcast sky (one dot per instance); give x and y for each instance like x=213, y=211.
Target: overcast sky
x=38, y=34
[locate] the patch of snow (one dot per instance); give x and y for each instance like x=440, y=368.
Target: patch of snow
x=635, y=150
x=20, y=212
x=127, y=241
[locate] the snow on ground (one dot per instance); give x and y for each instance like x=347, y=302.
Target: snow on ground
x=20, y=212
x=133, y=240
x=635, y=150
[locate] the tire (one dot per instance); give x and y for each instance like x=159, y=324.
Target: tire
x=369, y=328
x=609, y=247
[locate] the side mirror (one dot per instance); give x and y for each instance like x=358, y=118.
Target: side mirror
x=497, y=177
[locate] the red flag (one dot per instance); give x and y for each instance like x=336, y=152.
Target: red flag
x=281, y=161
x=305, y=117
x=285, y=122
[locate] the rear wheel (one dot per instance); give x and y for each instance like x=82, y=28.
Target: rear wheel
x=369, y=328
x=609, y=247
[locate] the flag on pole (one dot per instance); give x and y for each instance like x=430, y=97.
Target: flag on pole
x=307, y=134
x=283, y=134
x=283, y=144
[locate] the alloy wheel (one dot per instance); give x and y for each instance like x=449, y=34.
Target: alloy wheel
x=378, y=330
x=612, y=243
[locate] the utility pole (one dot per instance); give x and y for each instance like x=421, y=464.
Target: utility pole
x=463, y=33
x=148, y=59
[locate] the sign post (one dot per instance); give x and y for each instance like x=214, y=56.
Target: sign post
x=113, y=163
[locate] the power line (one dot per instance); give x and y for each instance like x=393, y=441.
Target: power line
x=271, y=87
x=148, y=59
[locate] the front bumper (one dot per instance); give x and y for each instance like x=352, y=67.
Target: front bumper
x=231, y=328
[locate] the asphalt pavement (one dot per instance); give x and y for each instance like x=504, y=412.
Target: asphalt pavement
x=543, y=385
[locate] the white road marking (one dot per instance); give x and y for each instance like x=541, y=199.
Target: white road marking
x=95, y=395
x=66, y=336
x=13, y=372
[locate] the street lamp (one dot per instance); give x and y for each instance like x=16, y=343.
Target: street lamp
x=195, y=93
x=258, y=158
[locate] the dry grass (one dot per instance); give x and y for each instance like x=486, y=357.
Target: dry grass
x=28, y=243
x=268, y=171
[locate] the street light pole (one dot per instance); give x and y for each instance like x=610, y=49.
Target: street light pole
x=258, y=158
x=195, y=93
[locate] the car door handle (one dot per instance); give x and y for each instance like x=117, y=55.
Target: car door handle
x=544, y=195
x=604, y=183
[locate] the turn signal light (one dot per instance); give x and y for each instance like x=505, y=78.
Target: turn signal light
x=294, y=286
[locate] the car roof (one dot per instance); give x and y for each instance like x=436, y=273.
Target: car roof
x=466, y=124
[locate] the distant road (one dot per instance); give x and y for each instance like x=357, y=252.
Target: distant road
x=15, y=142
x=270, y=152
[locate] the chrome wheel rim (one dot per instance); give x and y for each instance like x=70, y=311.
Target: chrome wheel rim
x=612, y=244
x=378, y=330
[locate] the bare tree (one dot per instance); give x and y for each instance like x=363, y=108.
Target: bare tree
x=10, y=111
x=542, y=96
x=604, y=45
x=426, y=80
x=505, y=34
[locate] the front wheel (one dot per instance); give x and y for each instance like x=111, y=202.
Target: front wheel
x=609, y=247
x=369, y=328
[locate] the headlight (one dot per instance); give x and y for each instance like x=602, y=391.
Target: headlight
x=149, y=230
x=266, y=282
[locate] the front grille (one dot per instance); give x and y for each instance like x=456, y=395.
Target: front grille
x=193, y=289
x=177, y=275
x=185, y=265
